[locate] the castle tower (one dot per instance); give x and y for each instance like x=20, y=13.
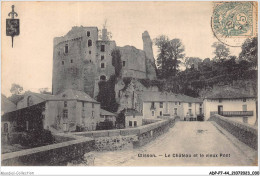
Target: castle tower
x=150, y=61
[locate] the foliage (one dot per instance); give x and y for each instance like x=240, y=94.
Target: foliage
x=191, y=62
x=170, y=54
x=221, y=51
x=16, y=89
x=106, y=95
x=249, y=51
x=116, y=61
x=15, y=98
x=44, y=91
x=106, y=125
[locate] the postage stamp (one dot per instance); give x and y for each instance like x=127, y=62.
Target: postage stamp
x=233, y=22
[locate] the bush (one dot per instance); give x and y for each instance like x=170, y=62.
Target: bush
x=200, y=117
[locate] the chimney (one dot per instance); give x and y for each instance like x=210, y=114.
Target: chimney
x=104, y=34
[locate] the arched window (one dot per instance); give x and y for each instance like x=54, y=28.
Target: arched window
x=89, y=42
x=29, y=101
x=5, y=127
x=66, y=49
x=103, y=78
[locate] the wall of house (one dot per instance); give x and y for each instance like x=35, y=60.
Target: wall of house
x=168, y=108
x=138, y=120
x=33, y=100
x=230, y=105
x=84, y=114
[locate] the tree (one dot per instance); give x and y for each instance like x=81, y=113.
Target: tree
x=192, y=62
x=44, y=90
x=221, y=52
x=176, y=53
x=116, y=61
x=16, y=89
x=249, y=51
x=170, y=53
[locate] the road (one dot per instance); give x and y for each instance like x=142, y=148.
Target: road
x=212, y=146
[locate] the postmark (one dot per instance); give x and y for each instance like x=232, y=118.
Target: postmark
x=233, y=22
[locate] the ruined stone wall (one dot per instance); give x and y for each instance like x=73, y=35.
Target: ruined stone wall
x=68, y=68
x=133, y=62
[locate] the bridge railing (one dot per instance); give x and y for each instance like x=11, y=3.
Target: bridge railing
x=233, y=113
x=246, y=133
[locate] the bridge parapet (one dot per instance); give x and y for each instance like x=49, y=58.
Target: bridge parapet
x=244, y=132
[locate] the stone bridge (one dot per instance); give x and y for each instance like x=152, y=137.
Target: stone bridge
x=190, y=144
x=218, y=142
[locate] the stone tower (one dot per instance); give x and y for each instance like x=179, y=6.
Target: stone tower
x=80, y=60
x=150, y=61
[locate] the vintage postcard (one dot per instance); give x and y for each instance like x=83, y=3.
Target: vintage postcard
x=126, y=83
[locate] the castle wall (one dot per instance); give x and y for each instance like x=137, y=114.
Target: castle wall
x=133, y=62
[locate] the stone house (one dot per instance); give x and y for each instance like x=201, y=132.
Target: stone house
x=133, y=118
x=62, y=112
x=156, y=104
x=231, y=104
x=192, y=107
x=107, y=116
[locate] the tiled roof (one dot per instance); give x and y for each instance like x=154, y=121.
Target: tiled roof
x=7, y=105
x=75, y=95
x=228, y=93
x=130, y=112
x=188, y=99
x=151, y=96
x=106, y=113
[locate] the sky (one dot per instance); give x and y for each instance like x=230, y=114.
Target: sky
x=29, y=63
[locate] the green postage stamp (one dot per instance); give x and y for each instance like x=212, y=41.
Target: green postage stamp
x=233, y=22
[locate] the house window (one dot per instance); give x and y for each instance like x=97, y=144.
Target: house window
x=102, y=57
x=66, y=49
x=93, y=105
x=175, y=111
x=65, y=104
x=123, y=63
x=190, y=112
x=189, y=104
x=200, y=104
x=102, y=48
x=161, y=104
x=152, y=105
x=220, y=100
x=93, y=114
x=135, y=123
x=176, y=103
x=130, y=123
x=152, y=113
x=6, y=128
x=88, y=33
x=160, y=113
x=83, y=104
x=89, y=43
x=65, y=113
x=102, y=65
x=244, y=99
x=62, y=62
x=244, y=107
x=179, y=103
x=89, y=52
x=71, y=61
x=200, y=110
x=102, y=77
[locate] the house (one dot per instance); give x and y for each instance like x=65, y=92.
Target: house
x=231, y=104
x=6, y=105
x=133, y=118
x=156, y=104
x=57, y=113
x=106, y=116
x=192, y=107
